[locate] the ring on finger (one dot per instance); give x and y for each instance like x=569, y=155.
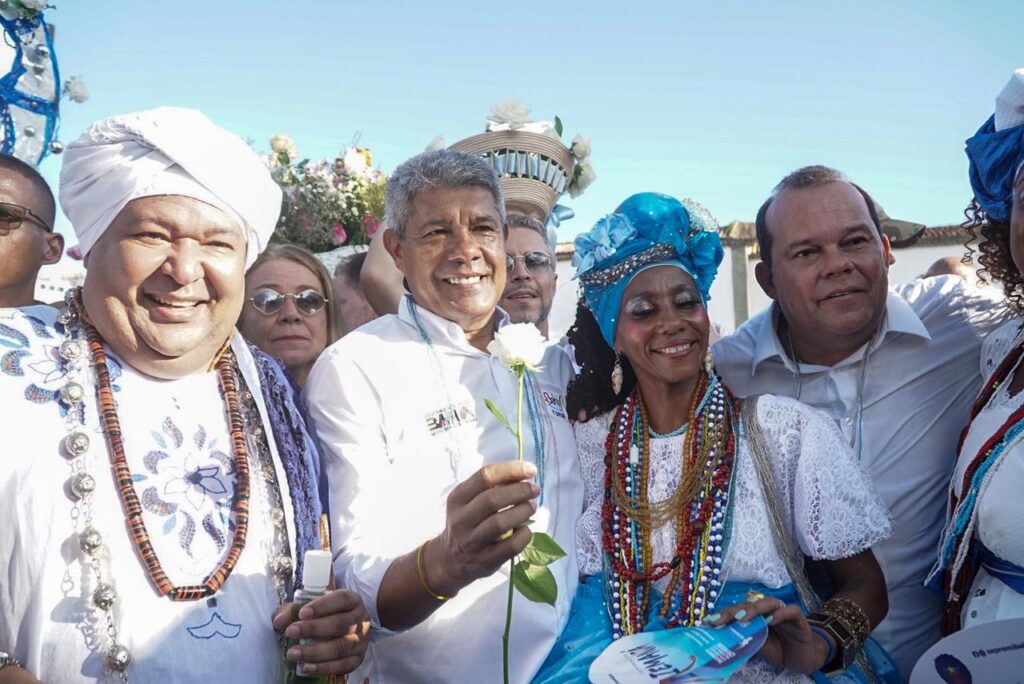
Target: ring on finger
x=754, y=596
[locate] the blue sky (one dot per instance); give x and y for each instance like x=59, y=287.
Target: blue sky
x=710, y=100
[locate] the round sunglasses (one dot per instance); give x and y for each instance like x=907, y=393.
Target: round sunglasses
x=268, y=301
x=535, y=262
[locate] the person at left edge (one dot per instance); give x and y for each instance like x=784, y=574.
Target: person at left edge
x=158, y=490
x=27, y=238
x=423, y=479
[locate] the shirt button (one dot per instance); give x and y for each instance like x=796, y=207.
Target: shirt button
x=848, y=420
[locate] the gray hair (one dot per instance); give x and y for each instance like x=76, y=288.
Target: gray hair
x=517, y=220
x=438, y=169
x=803, y=178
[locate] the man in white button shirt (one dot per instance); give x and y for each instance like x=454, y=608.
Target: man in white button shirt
x=423, y=479
x=897, y=368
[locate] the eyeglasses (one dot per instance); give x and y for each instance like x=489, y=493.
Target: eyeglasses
x=269, y=302
x=535, y=262
x=13, y=215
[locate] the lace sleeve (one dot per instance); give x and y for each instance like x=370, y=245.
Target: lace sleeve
x=836, y=512
x=590, y=443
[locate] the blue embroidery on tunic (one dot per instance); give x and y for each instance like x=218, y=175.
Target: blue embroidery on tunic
x=215, y=626
x=185, y=481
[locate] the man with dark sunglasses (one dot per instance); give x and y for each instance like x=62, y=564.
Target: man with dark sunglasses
x=532, y=279
x=27, y=239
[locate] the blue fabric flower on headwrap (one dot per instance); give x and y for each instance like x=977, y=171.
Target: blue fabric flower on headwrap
x=995, y=157
x=647, y=229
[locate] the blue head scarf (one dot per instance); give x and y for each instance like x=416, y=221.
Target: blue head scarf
x=647, y=229
x=995, y=157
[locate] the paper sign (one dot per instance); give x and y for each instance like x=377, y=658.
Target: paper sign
x=683, y=654
x=992, y=652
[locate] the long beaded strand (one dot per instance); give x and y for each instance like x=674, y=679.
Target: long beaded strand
x=698, y=507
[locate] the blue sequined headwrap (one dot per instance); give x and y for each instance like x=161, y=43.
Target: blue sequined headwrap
x=995, y=157
x=646, y=229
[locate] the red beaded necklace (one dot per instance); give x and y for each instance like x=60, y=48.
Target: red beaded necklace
x=228, y=382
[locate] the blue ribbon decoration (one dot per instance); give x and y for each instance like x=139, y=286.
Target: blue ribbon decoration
x=10, y=96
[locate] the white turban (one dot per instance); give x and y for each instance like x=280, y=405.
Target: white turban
x=166, y=151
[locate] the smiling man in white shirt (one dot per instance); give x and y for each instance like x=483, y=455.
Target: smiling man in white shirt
x=423, y=479
x=896, y=368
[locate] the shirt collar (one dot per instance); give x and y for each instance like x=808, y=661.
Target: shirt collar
x=899, y=318
x=441, y=330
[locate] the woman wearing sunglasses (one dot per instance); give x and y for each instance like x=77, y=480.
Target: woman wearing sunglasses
x=289, y=312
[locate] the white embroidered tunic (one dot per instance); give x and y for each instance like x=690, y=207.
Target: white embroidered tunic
x=400, y=426
x=830, y=503
x=1000, y=507
x=177, y=445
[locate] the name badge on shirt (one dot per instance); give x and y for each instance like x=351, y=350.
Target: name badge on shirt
x=449, y=418
x=555, y=403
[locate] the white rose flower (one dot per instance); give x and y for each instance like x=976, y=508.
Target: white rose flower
x=511, y=112
x=583, y=180
x=355, y=161
x=436, y=144
x=283, y=143
x=518, y=344
x=34, y=5
x=76, y=90
x=580, y=147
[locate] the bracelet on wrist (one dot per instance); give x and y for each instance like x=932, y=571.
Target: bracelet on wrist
x=423, y=574
x=7, y=660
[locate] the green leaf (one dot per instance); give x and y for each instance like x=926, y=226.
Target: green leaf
x=535, y=582
x=497, y=414
x=542, y=550
x=558, y=126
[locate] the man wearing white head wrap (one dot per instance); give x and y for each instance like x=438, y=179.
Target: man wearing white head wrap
x=168, y=566
x=166, y=151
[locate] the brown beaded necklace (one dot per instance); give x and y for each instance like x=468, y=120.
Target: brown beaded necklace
x=228, y=381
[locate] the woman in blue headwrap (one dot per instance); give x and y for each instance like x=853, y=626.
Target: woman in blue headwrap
x=677, y=529
x=981, y=557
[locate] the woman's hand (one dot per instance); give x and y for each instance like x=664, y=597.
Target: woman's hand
x=790, y=644
x=338, y=622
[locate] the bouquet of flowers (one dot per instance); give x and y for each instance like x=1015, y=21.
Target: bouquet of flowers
x=328, y=203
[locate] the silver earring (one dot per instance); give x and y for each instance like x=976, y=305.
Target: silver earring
x=709, y=363
x=617, y=374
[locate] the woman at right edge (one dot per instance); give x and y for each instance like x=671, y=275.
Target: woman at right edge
x=676, y=529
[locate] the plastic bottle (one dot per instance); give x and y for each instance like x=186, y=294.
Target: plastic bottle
x=316, y=573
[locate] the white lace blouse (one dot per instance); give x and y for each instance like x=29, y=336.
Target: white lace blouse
x=831, y=504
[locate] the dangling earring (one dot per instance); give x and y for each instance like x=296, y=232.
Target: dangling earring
x=617, y=374
x=709, y=363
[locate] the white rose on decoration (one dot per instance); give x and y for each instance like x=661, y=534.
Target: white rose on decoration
x=580, y=147
x=76, y=90
x=355, y=161
x=511, y=112
x=436, y=144
x=584, y=176
x=284, y=143
x=34, y=5
x=518, y=345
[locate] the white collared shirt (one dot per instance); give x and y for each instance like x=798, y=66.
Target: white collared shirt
x=922, y=377
x=401, y=423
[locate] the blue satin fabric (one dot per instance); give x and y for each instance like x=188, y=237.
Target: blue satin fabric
x=1010, y=574
x=589, y=632
x=641, y=222
x=995, y=157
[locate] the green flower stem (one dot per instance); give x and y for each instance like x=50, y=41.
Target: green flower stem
x=520, y=372
x=508, y=621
